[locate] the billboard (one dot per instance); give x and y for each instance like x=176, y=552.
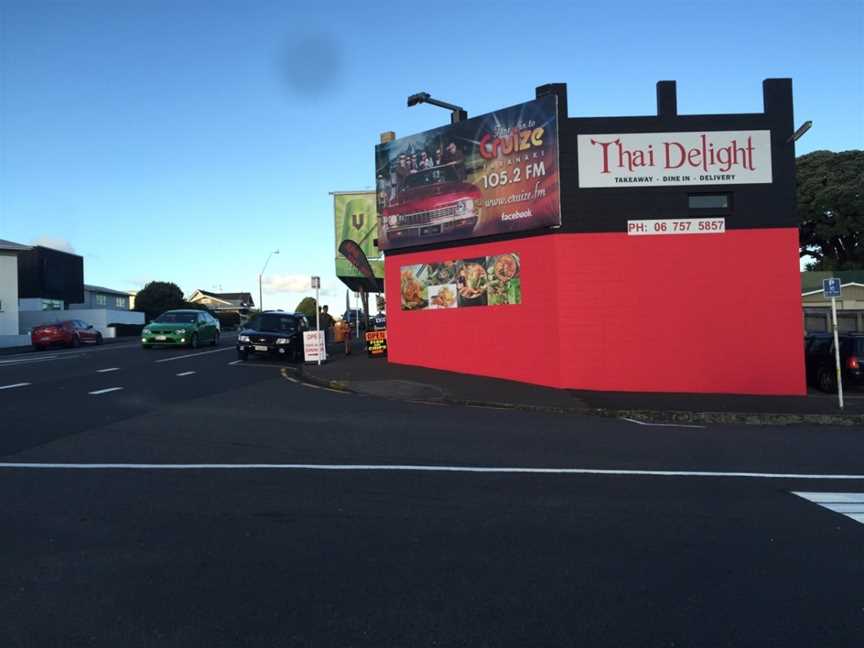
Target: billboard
x=461, y=283
x=671, y=159
x=356, y=219
x=493, y=174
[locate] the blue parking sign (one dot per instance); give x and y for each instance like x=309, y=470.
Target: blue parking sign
x=831, y=287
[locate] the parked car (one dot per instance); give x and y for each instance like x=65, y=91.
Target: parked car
x=191, y=328
x=71, y=333
x=354, y=316
x=821, y=364
x=273, y=333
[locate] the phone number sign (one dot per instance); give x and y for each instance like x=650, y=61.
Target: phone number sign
x=676, y=226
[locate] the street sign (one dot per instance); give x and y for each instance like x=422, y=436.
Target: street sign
x=316, y=282
x=831, y=287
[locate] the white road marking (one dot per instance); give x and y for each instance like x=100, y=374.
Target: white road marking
x=425, y=468
x=18, y=363
x=231, y=364
x=194, y=355
x=680, y=425
x=13, y=386
x=849, y=504
x=185, y=373
x=109, y=370
x=99, y=392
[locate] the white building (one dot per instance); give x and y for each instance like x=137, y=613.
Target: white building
x=9, y=294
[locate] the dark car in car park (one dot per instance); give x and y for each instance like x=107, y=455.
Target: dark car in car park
x=70, y=333
x=821, y=364
x=273, y=333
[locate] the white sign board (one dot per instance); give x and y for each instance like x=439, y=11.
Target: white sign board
x=313, y=346
x=670, y=159
x=316, y=282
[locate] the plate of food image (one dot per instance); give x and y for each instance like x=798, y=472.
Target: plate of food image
x=443, y=296
x=472, y=281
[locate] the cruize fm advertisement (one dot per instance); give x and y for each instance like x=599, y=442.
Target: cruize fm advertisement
x=463, y=283
x=492, y=174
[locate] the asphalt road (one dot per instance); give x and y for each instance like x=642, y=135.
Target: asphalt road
x=122, y=525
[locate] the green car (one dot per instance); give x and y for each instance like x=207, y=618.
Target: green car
x=190, y=328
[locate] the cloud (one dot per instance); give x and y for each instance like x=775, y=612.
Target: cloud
x=286, y=284
x=54, y=243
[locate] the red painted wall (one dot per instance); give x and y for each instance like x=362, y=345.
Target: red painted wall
x=704, y=313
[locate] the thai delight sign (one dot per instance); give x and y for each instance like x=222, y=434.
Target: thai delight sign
x=483, y=281
x=670, y=159
x=356, y=219
x=493, y=174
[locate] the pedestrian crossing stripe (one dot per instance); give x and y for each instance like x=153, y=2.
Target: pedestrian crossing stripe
x=849, y=504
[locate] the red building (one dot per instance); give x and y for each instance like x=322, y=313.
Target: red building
x=672, y=265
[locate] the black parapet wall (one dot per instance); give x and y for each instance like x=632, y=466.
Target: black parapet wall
x=46, y=273
x=752, y=205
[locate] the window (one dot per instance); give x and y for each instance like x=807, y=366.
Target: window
x=120, y=302
x=721, y=202
x=101, y=300
x=52, y=304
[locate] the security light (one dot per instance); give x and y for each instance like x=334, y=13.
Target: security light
x=457, y=113
x=798, y=133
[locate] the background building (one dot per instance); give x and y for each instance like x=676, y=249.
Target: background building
x=99, y=297
x=238, y=302
x=9, y=252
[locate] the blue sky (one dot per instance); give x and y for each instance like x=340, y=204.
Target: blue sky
x=184, y=141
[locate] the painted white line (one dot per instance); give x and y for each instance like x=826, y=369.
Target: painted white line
x=849, y=504
x=231, y=364
x=425, y=468
x=678, y=425
x=109, y=370
x=820, y=496
x=185, y=373
x=29, y=358
x=99, y=392
x=13, y=386
x=294, y=380
x=305, y=384
x=195, y=355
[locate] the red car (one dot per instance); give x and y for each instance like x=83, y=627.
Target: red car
x=433, y=203
x=71, y=333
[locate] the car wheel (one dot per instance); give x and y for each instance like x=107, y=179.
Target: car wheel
x=145, y=346
x=826, y=381
x=193, y=342
x=76, y=341
x=37, y=347
x=242, y=355
x=215, y=341
x=99, y=338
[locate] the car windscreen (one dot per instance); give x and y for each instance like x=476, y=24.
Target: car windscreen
x=176, y=318
x=273, y=323
x=433, y=176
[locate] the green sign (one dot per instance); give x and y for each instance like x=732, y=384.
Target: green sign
x=356, y=219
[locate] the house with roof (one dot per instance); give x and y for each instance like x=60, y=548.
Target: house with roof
x=101, y=297
x=237, y=302
x=9, y=252
x=817, y=308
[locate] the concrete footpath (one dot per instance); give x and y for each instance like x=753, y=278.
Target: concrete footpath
x=378, y=377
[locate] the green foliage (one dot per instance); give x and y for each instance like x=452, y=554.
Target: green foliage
x=831, y=207
x=157, y=297
x=308, y=307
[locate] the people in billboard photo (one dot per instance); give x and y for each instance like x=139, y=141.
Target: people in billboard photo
x=492, y=174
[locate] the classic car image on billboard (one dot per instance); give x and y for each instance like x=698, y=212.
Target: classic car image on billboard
x=492, y=174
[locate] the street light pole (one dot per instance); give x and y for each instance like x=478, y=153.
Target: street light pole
x=260, y=290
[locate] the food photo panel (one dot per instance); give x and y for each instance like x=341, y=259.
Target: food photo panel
x=503, y=284
x=413, y=286
x=471, y=282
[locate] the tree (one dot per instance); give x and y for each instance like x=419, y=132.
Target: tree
x=308, y=307
x=157, y=297
x=831, y=208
